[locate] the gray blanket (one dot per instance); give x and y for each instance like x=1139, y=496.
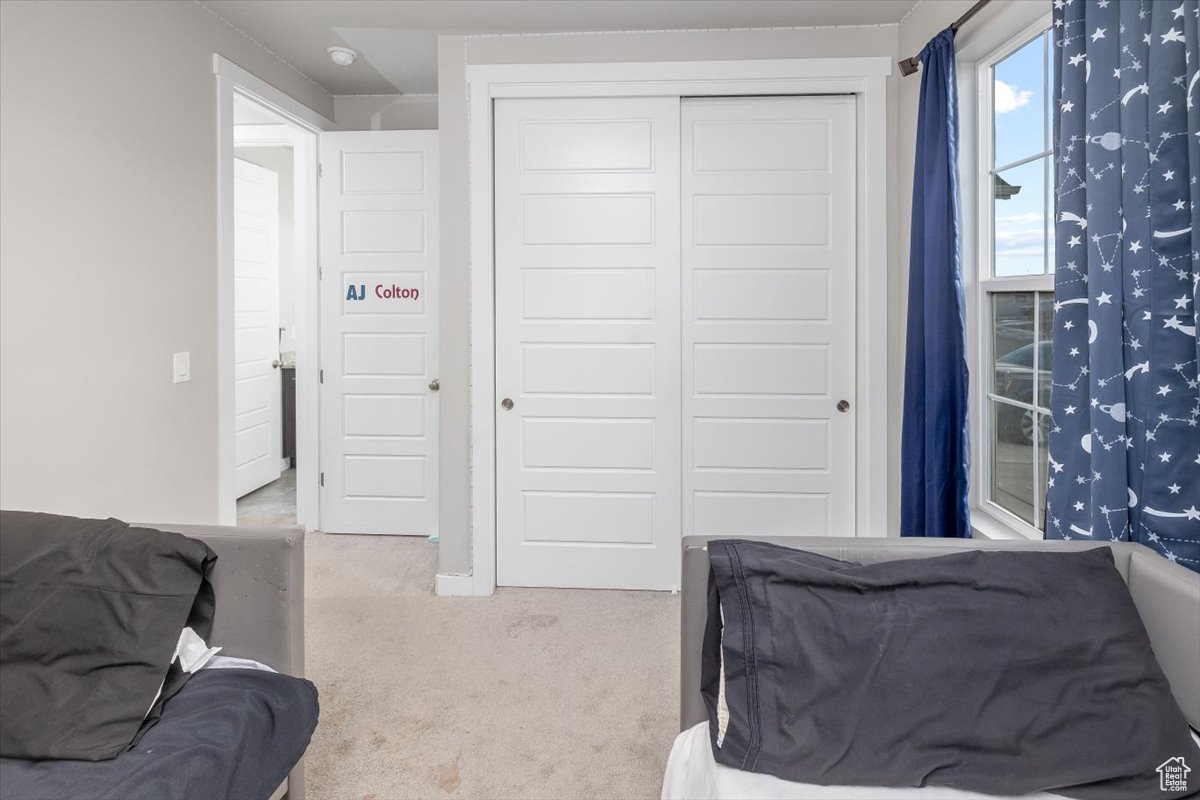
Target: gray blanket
x=996, y=672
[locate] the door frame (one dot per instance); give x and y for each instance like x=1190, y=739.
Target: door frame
x=864, y=77
x=301, y=126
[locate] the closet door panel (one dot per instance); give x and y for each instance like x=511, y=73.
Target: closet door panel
x=587, y=342
x=768, y=351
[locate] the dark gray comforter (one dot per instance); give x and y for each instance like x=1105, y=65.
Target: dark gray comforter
x=230, y=734
x=997, y=672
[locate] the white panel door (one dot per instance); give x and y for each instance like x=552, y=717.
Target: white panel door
x=587, y=342
x=768, y=315
x=379, y=333
x=258, y=416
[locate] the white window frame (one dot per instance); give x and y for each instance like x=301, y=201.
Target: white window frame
x=988, y=517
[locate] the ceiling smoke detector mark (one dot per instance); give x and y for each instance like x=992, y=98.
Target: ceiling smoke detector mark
x=342, y=56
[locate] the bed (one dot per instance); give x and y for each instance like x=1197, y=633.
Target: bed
x=1166, y=596
x=258, y=584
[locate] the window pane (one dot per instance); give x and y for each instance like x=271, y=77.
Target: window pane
x=1043, y=424
x=1019, y=103
x=1051, y=70
x=1050, y=216
x=1013, y=345
x=1019, y=214
x=1045, y=350
x=1012, y=459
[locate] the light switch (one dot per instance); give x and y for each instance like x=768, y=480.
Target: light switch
x=182, y=363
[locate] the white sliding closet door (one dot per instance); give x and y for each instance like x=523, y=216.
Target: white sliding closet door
x=587, y=342
x=768, y=316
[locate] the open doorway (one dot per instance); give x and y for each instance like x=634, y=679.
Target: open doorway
x=264, y=243
x=268, y=373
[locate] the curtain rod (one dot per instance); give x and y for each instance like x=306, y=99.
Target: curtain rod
x=909, y=65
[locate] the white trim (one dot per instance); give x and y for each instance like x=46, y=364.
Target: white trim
x=1024, y=283
x=482, y=391
x=678, y=78
x=455, y=586
x=253, y=86
x=659, y=31
x=975, y=163
x=986, y=524
x=864, y=77
x=871, y=480
x=303, y=125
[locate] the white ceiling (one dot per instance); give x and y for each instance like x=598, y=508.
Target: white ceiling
x=397, y=41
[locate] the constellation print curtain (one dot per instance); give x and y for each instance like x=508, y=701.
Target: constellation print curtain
x=1125, y=439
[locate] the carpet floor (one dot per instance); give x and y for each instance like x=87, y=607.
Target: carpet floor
x=530, y=693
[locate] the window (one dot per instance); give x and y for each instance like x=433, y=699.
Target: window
x=1016, y=280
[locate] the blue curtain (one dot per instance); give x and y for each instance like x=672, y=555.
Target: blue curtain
x=1124, y=444
x=934, y=454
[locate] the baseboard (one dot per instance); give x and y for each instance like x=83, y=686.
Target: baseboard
x=456, y=586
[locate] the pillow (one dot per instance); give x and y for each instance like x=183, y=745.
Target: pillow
x=91, y=614
x=996, y=672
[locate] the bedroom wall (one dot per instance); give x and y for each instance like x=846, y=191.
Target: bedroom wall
x=456, y=51
x=454, y=512
x=386, y=112
x=108, y=253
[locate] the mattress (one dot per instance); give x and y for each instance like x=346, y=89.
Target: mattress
x=693, y=774
x=231, y=732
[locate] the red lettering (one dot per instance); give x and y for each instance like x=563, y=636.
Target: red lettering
x=394, y=292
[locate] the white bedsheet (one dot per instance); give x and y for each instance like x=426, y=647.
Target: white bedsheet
x=693, y=774
x=233, y=662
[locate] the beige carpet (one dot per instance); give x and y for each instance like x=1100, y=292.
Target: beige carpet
x=530, y=693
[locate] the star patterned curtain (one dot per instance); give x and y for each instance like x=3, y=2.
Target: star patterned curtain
x=1124, y=444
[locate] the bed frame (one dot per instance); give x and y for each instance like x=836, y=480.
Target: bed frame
x=1166, y=595
x=259, y=584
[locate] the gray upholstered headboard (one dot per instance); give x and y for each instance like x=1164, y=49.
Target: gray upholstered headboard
x=1167, y=597
x=259, y=584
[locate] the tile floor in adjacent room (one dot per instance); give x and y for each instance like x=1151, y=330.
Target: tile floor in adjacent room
x=272, y=505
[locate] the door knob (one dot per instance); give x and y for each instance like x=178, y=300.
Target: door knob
x=275, y=364
x=506, y=404
x=843, y=406
x=434, y=385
